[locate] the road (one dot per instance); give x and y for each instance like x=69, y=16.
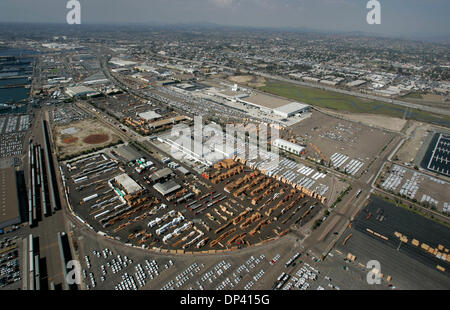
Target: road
x=327, y=88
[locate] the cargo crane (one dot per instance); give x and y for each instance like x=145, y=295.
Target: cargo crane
x=319, y=152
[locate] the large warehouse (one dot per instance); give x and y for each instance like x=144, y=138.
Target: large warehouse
x=291, y=109
x=278, y=106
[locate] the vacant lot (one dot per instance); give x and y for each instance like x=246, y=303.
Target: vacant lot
x=333, y=135
x=82, y=136
x=417, y=135
x=380, y=121
x=249, y=80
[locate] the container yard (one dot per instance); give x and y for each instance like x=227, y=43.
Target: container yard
x=324, y=186
x=147, y=204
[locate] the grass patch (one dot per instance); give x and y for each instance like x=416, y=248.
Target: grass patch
x=414, y=95
x=342, y=102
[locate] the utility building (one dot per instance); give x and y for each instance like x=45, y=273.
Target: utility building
x=288, y=146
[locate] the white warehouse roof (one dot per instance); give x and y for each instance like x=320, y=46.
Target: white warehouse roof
x=149, y=115
x=80, y=91
x=288, y=146
x=291, y=108
x=128, y=183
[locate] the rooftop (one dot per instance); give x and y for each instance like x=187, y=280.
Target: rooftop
x=160, y=174
x=149, y=115
x=128, y=183
x=166, y=188
x=266, y=101
x=292, y=107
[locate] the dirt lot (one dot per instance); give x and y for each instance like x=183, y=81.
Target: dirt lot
x=249, y=80
x=384, y=122
x=417, y=134
x=333, y=135
x=81, y=136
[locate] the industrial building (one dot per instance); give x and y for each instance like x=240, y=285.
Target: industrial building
x=129, y=185
x=79, y=91
x=169, y=121
x=275, y=105
x=121, y=62
x=166, y=188
x=291, y=109
x=161, y=174
x=97, y=78
x=183, y=170
x=356, y=83
x=149, y=116
x=288, y=146
x=9, y=201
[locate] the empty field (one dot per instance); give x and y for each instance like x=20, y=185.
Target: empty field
x=335, y=137
x=82, y=136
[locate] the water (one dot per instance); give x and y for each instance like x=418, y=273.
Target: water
x=12, y=99
x=13, y=95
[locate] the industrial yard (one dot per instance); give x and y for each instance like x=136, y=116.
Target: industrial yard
x=403, y=241
x=419, y=187
x=156, y=203
x=143, y=117
x=348, y=146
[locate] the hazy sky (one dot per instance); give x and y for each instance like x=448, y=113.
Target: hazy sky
x=399, y=17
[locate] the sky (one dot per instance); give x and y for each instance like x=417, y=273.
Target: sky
x=407, y=18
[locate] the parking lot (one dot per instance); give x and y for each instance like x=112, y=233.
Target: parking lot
x=13, y=130
x=417, y=186
x=65, y=113
x=10, y=274
x=437, y=158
